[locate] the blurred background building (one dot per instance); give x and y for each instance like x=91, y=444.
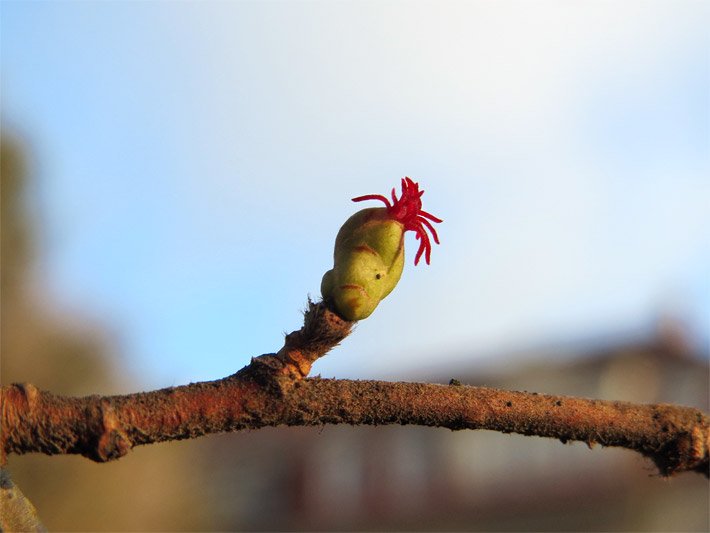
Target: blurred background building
x=411, y=479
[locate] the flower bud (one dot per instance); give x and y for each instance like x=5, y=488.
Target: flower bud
x=369, y=252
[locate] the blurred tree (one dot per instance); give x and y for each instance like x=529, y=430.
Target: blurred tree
x=144, y=491
x=35, y=347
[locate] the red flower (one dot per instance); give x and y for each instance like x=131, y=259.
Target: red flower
x=408, y=210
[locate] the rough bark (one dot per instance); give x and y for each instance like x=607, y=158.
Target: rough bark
x=273, y=390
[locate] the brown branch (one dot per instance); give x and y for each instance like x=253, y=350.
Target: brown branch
x=272, y=391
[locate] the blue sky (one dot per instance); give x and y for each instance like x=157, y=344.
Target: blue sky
x=193, y=162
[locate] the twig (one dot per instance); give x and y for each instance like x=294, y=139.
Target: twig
x=272, y=391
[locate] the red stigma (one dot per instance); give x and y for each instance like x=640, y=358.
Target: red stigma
x=407, y=209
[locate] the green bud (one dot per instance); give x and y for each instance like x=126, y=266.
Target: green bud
x=368, y=263
x=369, y=251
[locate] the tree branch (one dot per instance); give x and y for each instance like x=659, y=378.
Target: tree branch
x=272, y=390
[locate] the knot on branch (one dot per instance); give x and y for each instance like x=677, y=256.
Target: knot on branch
x=686, y=449
x=36, y=420
x=687, y=452
x=110, y=441
x=322, y=330
x=277, y=373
